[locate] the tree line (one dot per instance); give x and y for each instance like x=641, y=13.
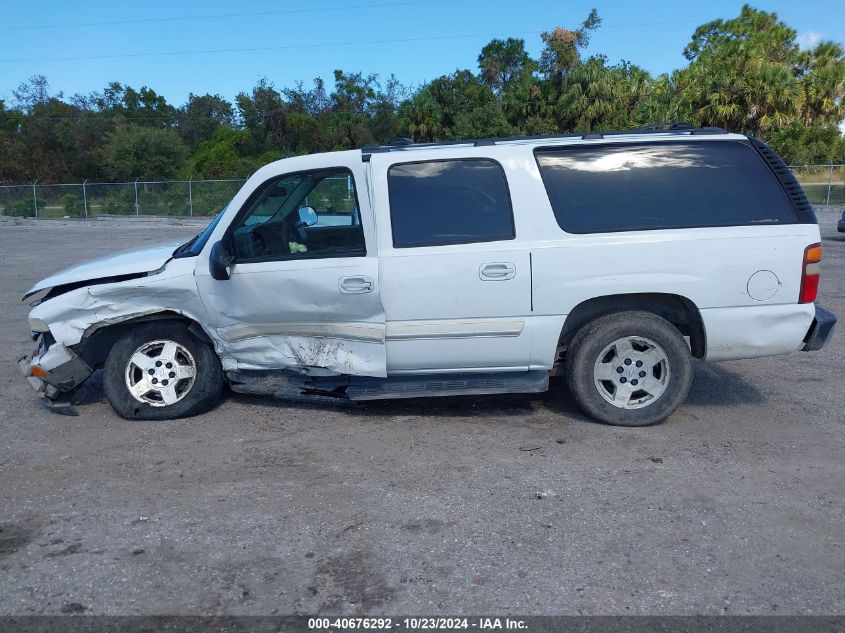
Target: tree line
x=747, y=74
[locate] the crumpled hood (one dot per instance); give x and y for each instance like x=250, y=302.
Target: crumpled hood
x=136, y=261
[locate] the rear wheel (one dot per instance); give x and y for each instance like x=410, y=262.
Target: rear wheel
x=160, y=371
x=629, y=368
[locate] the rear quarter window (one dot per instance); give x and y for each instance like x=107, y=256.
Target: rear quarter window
x=648, y=186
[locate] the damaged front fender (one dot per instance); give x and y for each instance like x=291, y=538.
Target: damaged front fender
x=75, y=315
x=237, y=327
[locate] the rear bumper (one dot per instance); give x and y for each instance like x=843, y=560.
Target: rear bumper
x=756, y=331
x=820, y=331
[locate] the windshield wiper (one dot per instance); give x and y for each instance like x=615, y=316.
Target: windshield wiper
x=181, y=249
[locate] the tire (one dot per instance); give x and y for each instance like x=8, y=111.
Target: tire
x=655, y=362
x=186, y=371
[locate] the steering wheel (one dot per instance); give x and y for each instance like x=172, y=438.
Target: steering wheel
x=273, y=238
x=259, y=245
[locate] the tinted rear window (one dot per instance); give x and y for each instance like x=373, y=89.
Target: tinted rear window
x=642, y=186
x=449, y=202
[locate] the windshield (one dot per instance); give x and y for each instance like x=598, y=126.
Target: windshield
x=192, y=247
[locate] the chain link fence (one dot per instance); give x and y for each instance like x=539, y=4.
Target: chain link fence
x=185, y=198
x=824, y=184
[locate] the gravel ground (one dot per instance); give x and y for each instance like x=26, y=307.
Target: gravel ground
x=507, y=505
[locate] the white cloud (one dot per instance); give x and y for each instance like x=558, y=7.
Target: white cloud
x=809, y=39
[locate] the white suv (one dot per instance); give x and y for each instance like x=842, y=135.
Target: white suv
x=468, y=267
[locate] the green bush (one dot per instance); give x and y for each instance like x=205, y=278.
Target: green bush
x=23, y=208
x=73, y=205
x=120, y=202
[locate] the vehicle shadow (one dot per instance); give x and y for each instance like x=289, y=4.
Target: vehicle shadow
x=556, y=400
x=90, y=391
x=507, y=405
x=712, y=385
x=466, y=406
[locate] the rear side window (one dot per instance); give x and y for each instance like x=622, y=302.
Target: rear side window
x=643, y=186
x=449, y=202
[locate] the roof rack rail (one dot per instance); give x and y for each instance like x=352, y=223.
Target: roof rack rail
x=708, y=130
x=665, y=127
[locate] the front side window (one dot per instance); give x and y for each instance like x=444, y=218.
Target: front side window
x=301, y=216
x=647, y=186
x=449, y=202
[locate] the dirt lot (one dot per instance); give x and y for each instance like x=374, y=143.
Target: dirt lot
x=464, y=505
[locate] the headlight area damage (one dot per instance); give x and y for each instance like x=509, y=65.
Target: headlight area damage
x=80, y=317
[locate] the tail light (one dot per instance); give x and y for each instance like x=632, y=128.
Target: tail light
x=810, y=273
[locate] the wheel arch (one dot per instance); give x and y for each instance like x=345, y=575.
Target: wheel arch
x=98, y=339
x=678, y=310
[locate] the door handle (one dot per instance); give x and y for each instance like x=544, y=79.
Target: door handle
x=498, y=271
x=356, y=285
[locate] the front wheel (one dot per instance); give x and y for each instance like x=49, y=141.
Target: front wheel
x=160, y=371
x=629, y=368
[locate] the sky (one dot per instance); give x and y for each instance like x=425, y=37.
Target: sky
x=224, y=48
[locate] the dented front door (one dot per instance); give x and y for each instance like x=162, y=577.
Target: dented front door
x=302, y=297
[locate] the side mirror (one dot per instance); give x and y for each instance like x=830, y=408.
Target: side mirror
x=219, y=261
x=307, y=216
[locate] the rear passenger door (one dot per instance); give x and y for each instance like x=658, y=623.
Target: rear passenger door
x=455, y=285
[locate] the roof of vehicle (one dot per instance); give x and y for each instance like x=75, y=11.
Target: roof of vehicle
x=656, y=130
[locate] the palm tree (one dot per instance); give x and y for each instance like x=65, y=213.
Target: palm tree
x=823, y=83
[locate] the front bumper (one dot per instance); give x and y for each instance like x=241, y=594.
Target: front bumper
x=48, y=395
x=59, y=372
x=820, y=331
